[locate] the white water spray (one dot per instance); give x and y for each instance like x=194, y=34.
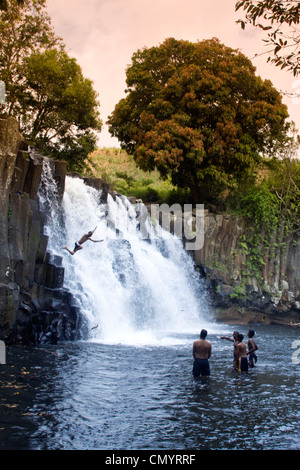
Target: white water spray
x=130, y=290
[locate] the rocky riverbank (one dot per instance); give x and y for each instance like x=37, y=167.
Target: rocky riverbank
x=239, y=293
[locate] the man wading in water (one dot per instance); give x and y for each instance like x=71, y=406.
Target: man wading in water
x=235, y=348
x=242, y=356
x=201, y=353
x=83, y=239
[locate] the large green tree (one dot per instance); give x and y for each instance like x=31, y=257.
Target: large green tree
x=198, y=112
x=56, y=106
x=24, y=29
x=59, y=107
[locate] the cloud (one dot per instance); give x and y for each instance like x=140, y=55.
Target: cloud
x=103, y=34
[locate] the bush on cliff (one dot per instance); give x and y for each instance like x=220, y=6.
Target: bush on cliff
x=118, y=168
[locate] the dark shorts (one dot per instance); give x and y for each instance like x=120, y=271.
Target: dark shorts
x=201, y=367
x=242, y=364
x=252, y=359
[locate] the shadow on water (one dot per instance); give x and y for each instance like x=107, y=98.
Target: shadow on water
x=88, y=395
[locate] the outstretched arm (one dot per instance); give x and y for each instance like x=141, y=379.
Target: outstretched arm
x=227, y=337
x=95, y=241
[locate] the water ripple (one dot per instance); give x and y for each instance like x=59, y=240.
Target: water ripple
x=92, y=396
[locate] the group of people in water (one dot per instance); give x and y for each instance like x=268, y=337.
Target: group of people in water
x=242, y=359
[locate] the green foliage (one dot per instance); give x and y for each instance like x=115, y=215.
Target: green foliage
x=59, y=107
x=284, y=183
x=22, y=30
x=272, y=16
x=239, y=292
x=261, y=207
x=73, y=148
x=253, y=247
x=56, y=106
x=272, y=211
x=118, y=168
x=198, y=113
x=4, y=4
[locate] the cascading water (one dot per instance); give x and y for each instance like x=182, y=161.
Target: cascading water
x=50, y=206
x=131, y=290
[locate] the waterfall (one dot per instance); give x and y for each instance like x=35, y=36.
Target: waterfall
x=50, y=206
x=130, y=289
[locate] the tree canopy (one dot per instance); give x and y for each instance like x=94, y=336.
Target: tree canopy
x=59, y=106
x=23, y=30
x=198, y=112
x=56, y=106
x=4, y=4
x=280, y=19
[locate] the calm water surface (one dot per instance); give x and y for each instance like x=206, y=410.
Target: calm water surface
x=87, y=395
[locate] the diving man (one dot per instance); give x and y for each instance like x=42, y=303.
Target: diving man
x=83, y=239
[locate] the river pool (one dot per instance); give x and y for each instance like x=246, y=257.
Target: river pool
x=94, y=396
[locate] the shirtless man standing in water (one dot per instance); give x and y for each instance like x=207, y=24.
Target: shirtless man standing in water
x=83, y=239
x=235, y=341
x=201, y=354
x=242, y=355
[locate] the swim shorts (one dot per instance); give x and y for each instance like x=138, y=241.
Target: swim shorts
x=201, y=367
x=243, y=364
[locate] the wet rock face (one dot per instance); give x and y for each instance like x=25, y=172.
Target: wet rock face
x=271, y=296
x=9, y=144
x=34, y=306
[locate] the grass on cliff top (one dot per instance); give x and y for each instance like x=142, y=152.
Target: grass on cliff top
x=116, y=167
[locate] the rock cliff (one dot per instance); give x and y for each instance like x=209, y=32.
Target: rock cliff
x=247, y=285
x=34, y=306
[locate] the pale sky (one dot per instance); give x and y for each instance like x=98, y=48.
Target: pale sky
x=103, y=34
